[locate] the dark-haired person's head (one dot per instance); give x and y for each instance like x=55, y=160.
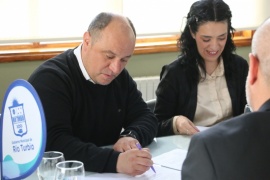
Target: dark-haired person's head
x=208, y=32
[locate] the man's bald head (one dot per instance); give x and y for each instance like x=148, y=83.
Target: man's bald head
x=102, y=20
x=261, y=48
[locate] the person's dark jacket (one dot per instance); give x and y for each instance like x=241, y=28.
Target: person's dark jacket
x=177, y=94
x=235, y=149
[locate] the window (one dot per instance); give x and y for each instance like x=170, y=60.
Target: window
x=60, y=20
x=49, y=20
x=39, y=25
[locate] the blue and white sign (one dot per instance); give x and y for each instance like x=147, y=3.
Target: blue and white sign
x=23, y=131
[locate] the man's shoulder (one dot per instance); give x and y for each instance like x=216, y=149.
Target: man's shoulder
x=244, y=124
x=60, y=60
x=60, y=65
x=242, y=141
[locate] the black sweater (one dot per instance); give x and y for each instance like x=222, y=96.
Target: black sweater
x=82, y=116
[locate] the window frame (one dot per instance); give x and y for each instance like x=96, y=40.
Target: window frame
x=37, y=51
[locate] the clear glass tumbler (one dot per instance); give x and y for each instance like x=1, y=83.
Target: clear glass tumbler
x=69, y=170
x=47, y=167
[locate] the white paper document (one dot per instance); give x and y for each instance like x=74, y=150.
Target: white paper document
x=167, y=165
x=173, y=159
x=202, y=128
x=161, y=174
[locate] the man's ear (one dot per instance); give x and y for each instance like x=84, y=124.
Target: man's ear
x=86, y=38
x=253, y=68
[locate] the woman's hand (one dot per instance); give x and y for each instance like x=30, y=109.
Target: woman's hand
x=185, y=126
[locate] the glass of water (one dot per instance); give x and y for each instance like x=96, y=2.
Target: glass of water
x=47, y=167
x=69, y=170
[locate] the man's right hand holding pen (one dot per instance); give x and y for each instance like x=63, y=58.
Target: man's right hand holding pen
x=133, y=160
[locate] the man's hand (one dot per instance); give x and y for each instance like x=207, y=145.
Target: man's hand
x=125, y=143
x=134, y=162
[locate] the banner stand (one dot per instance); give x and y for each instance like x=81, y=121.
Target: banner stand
x=23, y=131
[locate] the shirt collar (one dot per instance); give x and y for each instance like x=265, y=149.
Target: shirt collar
x=77, y=53
x=219, y=71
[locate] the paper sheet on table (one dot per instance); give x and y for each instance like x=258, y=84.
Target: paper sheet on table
x=202, y=128
x=173, y=159
x=161, y=174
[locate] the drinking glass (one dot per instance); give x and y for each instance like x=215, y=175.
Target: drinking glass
x=69, y=170
x=46, y=169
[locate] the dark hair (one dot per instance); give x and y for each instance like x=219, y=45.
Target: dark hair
x=203, y=11
x=100, y=22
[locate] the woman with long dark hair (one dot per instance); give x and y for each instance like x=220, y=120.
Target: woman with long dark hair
x=206, y=84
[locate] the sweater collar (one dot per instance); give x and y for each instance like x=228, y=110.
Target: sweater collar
x=77, y=53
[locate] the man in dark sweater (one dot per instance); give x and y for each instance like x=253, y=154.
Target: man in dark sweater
x=89, y=97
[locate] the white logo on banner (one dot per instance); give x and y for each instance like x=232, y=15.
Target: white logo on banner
x=18, y=119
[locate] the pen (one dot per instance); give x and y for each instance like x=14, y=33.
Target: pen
x=140, y=148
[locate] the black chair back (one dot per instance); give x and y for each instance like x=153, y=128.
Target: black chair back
x=151, y=104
